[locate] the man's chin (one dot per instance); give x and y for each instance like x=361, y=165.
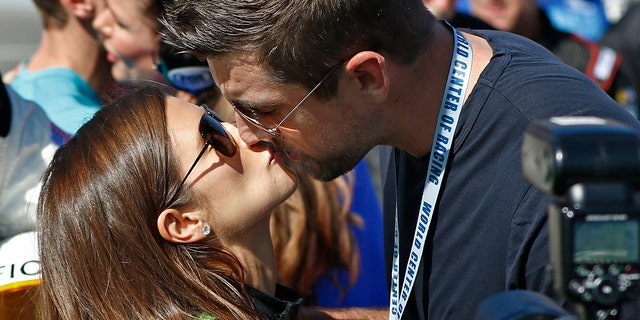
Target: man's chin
x=321, y=170
x=324, y=173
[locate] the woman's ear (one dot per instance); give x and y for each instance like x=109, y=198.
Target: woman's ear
x=369, y=70
x=178, y=227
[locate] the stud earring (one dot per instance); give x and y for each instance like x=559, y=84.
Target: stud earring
x=206, y=230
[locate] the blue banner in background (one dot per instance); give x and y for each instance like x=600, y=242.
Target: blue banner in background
x=583, y=17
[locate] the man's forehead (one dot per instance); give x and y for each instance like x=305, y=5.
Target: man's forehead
x=223, y=66
x=226, y=67
x=240, y=77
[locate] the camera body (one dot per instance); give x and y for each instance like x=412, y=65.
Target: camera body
x=595, y=256
x=592, y=168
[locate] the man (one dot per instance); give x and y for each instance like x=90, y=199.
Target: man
x=68, y=74
x=601, y=63
x=326, y=81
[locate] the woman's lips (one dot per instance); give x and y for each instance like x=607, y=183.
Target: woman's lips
x=274, y=154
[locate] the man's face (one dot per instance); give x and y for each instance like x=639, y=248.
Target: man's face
x=328, y=138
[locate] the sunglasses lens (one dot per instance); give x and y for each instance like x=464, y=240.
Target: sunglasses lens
x=250, y=114
x=212, y=130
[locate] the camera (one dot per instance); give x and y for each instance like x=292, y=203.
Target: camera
x=592, y=168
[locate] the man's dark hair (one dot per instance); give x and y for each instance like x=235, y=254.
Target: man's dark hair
x=299, y=41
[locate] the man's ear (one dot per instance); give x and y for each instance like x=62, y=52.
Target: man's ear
x=175, y=226
x=83, y=9
x=369, y=70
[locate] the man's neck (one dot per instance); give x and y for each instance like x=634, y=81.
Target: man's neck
x=420, y=92
x=415, y=95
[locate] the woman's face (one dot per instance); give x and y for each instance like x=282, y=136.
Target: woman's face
x=238, y=191
x=130, y=38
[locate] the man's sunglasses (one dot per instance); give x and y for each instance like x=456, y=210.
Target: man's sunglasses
x=253, y=116
x=215, y=135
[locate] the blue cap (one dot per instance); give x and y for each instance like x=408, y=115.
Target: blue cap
x=184, y=71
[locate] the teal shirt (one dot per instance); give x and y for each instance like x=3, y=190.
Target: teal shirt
x=67, y=99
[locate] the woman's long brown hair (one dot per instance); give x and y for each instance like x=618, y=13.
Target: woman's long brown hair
x=101, y=252
x=312, y=234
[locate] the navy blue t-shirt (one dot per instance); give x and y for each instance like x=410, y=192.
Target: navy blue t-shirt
x=488, y=231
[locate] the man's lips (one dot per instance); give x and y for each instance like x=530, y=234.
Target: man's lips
x=292, y=155
x=276, y=155
x=282, y=151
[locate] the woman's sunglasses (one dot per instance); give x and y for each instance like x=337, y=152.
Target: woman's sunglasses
x=215, y=135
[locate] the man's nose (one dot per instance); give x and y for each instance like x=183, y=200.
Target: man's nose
x=250, y=133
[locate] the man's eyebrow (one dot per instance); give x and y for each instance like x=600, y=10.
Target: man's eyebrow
x=252, y=104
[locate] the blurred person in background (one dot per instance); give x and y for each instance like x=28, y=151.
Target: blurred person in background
x=26, y=141
x=446, y=10
x=623, y=37
x=68, y=74
x=526, y=18
x=50, y=95
x=27, y=144
x=129, y=32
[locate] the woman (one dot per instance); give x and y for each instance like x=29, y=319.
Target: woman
x=132, y=227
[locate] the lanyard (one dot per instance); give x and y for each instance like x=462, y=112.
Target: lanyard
x=450, y=108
